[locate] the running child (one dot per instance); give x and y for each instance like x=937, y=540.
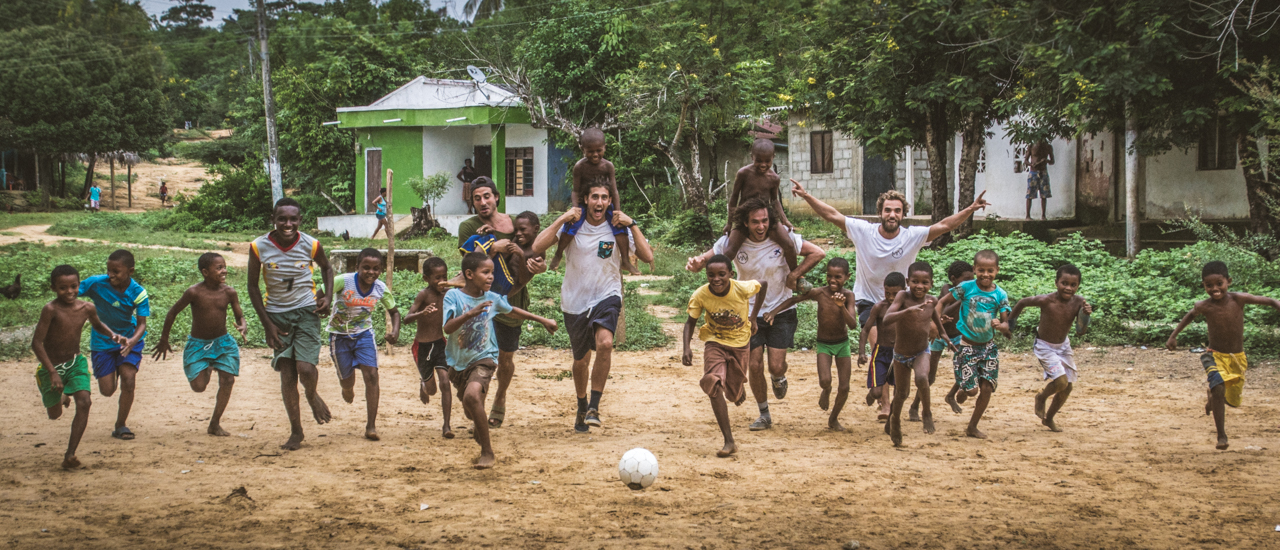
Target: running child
x=209, y=346
x=164, y=193
x=1052, y=347
x=290, y=314
x=63, y=374
x=759, y=180
x=351, y=342
x=880, y=371
x=524, y=263
x=959, y=271
x=1224, y=362
x=590, y=168
x=731, y=320
x=472, y=348
x=913, y=315
x=124, y=306
x=984, y=307
x=837, y=313
x=95, y=193
x=428, y=342
x=381, y=204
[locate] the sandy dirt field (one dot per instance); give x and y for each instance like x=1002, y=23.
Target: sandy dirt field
x=1136, y=467
x=39, y=234
x=181, y=176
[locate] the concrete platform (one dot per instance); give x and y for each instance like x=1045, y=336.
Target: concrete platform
x=360, y=226
x=411, y=259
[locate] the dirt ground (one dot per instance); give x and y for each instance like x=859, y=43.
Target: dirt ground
x=238, y=257
x=1136, y=466
x=181, y=176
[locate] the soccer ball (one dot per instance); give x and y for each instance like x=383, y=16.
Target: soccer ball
x=638, y=469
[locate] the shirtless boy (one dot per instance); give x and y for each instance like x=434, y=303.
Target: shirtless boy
x=428, y=343
x=880, y=371
x=590, y=168
x=984, y=308
x=759, y=180
x=1224, y=362
x=913, y=314
x=472, y=348
x=837, y=313
x=1052, y=347
x=958, y=272
x=209, y=346
x=731, y=320
x=63, y=374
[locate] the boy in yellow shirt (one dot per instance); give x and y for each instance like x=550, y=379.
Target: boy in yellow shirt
x=730, y=323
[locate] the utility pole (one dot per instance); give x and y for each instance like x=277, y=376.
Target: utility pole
x=269, y=104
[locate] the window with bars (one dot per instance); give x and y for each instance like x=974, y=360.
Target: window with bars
x=821, y=153
x=1217, y=148
x=520, y=171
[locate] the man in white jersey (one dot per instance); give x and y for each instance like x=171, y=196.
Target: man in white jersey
x=885, y=247
x=591, y=295
x=291, y=310
x=761, y=259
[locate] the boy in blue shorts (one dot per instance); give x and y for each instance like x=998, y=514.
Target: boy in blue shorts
x=63, y=373
x=209, y=346
x=351, y=341
x=593, y=167
x=124, y=306
x=984, y=308
x=880, y=372
x=472, y=348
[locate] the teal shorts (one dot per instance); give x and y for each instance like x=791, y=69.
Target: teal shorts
x=220, y=353
x=939, y=344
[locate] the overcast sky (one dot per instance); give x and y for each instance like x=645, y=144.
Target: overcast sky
x=223, y=7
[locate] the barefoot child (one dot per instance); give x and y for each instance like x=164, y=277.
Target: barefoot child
x=472, y=348
x=958, y=272
x=880, y=371
x=291, y=312
x=209, y=346
x=63, y=374
x=589, y=169
x=1053, y=348
x=381, y=213
x=524, y=263
x=428, y=342
x=837, y=313
x=912, y=314
x=351, y=341
x=1224, y=362
x=983, y=310
x=759, y=180
x=124, y=306
x=730, y=323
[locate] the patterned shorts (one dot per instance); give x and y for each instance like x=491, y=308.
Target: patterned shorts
x=977, y=363
x=1038, y=184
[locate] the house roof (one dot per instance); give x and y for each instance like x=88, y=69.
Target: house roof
x=431, y=93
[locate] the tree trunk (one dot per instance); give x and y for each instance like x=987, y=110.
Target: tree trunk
x=88, y=177
x=44, y=195
x=936, y=134
x=1261, y=191
x=1130, y=182
x=688, y=172
x=112, y=160
x=972, y=138
x=62, y=178
x=128, y=179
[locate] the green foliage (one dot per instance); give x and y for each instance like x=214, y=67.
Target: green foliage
x=234, y=151
x=236, y=199
x=431, y=188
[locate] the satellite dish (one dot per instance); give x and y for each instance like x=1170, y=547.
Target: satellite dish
x=476, y=74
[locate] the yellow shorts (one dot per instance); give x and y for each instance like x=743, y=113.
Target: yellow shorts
x=1226, y=368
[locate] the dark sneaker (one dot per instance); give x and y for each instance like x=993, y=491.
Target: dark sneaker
x=780, y=387
x=580, y=424
x=762, y=423
x=593, y=418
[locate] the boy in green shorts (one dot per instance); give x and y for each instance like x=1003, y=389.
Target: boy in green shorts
x=63, y=373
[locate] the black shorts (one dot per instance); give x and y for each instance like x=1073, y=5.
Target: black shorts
x=429, y=356
x=508, y=337
x=582, y=328
x=780, y=335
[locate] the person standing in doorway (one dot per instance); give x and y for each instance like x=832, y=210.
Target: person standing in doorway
x=466, y=176
x=1038, y=159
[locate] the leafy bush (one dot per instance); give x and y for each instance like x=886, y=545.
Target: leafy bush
x=233, y=151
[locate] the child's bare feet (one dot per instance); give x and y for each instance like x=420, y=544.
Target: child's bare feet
x=66, y=402
x=319, y=409
x=72, y=463
x=422, y=393
x=728, y=450
x=871, y=398
x=975, y=433
x=485, y=461
x=1040, y=399
x=349, y=394
x=294, y=443
x=371, y=434
x=215, y=429
x=447, y=432
x=955, y=405
x=1222, y=442
x=913, y=414
x=928, y=424
x=1050, y=424
x=834, y=425
x=1208, y=408
x=895, y=435
x=824, y=400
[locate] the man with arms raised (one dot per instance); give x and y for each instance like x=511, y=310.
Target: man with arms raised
x=761, y=259
x=591, y=295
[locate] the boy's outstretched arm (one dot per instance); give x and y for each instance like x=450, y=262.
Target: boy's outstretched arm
x=1254, y=300
x=1030, y=301
x=102, y=327
x=452, y=325
x=686, y=358
x=768, y=316
x=419, y=308
x=755, y=310
x=238, y=314
x=1172, y=344
x=548, y=324
x=162, y=348
x=1002, y=324
x=393, y=335
x=896, y=310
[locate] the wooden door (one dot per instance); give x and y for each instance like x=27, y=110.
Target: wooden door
x=372, y=178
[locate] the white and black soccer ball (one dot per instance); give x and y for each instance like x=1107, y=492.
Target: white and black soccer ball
x=638, y=469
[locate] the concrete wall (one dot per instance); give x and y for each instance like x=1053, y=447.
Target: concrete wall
x=401, y=152
x=1211, y=194
x=524, y=135
x=842, y=188
x=443, y=150
x=921, y=200
x=1007, y=189
x=360, y=226
x=1095, y=181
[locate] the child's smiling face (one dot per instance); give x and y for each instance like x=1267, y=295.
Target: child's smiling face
x=920, y=282
x=985, y=271
x=436, y=278
x=286, y=219
x=525, y=233
x=216, y=272
x=836, y=278
x=1216, y=285
x=118, y=274
x=593, y=150
x=718, y=276
x=369, y=270
x=67, y=287
x=1067, y=285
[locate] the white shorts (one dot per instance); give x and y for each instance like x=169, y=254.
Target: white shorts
x=1057, y=359
x=93, y=204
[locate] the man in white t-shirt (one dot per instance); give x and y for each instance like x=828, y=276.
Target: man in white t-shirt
x=591, y=295
x=761, y=259
x=885, y=247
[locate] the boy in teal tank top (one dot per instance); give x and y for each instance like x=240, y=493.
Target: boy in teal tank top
x=984, y=310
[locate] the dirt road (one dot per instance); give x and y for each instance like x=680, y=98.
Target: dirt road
x=1135, y=468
